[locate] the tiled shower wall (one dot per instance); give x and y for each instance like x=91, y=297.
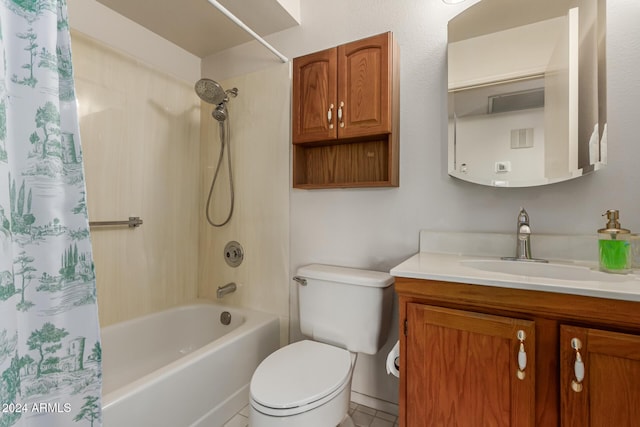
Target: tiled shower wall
x=140, y=134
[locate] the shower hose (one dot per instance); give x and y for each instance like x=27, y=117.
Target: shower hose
x=225, y=140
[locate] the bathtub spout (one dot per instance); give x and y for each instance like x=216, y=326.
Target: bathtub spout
x=226, y=289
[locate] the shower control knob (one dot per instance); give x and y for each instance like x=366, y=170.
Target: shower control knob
x=233, y=254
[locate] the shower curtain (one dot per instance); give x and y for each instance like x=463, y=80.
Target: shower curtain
x=50, y=354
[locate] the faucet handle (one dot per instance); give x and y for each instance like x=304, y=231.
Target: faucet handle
x=523, y=217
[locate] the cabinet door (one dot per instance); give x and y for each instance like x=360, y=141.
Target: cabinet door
x=314, y=96
x=609, y=392
x=364, y=86
x=462, y=369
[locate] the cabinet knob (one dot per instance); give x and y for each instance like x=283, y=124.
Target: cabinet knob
x=578, y=366
x=522, y=355
x=330, y=116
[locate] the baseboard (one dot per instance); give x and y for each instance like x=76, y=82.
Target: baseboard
x=375, y=403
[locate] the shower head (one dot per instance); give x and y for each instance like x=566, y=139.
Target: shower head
x=210, y=91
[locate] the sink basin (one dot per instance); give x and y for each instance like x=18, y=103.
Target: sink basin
x=547, y=270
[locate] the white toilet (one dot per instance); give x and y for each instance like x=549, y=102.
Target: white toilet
x=308, y=383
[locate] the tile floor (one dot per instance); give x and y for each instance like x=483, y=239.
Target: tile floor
x=362, y=417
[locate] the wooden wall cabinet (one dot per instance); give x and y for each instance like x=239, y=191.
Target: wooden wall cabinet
x=346, y=115
x=460, y=347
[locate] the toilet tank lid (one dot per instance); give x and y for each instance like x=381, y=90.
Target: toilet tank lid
x=351, y=276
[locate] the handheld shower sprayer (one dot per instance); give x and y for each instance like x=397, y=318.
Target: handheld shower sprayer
x=211, y=92
x=220, y=112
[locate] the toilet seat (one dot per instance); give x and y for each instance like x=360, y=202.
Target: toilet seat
x=300, y=377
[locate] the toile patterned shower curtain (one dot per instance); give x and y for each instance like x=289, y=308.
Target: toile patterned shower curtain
x=50, y=354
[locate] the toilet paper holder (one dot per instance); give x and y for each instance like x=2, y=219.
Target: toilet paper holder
x=393, y=361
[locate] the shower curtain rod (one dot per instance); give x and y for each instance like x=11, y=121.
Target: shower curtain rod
x=245, y=27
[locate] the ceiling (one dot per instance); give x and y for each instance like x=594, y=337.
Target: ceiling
x=198, y=27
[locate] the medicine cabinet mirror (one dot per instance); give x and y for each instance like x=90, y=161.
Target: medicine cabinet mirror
x=527, y=91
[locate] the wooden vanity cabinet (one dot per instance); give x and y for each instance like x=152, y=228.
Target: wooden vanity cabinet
x=478, y=374
x=345, y=115
x=610, y=393
x=459, y=347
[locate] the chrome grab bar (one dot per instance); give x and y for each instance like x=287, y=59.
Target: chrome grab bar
x=134, y=221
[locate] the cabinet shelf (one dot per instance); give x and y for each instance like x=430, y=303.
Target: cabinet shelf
x=357, y=163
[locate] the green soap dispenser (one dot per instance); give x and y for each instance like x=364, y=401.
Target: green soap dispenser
x=614, y=245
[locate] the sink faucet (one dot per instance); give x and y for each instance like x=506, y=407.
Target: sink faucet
x=523, y=235
x=226, y=289
x=523, y=240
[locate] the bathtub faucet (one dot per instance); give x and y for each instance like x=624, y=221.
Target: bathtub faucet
x=226, y=289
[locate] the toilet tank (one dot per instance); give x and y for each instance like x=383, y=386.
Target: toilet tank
x=345, y=307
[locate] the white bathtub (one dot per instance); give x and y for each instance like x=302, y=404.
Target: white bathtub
x=182, y=367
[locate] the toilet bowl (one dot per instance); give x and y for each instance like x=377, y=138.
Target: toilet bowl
x=303, y=384
x=308, y=383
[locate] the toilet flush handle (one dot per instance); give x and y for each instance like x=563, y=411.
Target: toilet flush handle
x=301, y=280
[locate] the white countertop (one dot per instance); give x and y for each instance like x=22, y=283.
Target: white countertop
x=448, y=267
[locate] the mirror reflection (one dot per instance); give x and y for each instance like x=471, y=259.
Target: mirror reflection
x=527, y=91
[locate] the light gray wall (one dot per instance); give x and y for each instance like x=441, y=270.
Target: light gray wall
x=378, y=228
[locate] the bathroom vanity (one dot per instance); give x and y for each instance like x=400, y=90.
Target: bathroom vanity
x=486, y=342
